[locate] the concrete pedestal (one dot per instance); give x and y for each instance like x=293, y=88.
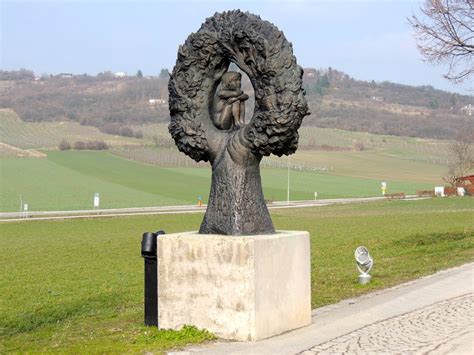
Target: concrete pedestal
x=237, y=287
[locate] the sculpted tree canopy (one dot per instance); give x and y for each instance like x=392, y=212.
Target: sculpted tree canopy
x=445, y=34
x=208, y=117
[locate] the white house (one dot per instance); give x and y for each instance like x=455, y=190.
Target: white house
x=156, y=102
x=467, y=109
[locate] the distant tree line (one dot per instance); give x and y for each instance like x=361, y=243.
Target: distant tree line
x=81, y=145
x=120, y=130
x=344, y=115
x=22, y=74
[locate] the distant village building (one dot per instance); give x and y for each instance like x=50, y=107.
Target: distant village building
x=120, y=74
x=65, y=75
x=156, y=102
x=467, y=109
x=310, y=72
x=377, y=98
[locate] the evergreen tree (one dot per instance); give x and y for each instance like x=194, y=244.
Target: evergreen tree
x=164, y=74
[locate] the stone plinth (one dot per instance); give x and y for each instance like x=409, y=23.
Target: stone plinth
x=238, y=287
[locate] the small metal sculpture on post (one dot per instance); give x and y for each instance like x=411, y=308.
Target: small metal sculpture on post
x=364, y=263
x=209, y=125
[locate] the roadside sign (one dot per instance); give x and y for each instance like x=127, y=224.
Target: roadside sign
x=439, y=191
x=96, y=200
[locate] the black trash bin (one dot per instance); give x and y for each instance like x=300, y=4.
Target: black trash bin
x=149, y=253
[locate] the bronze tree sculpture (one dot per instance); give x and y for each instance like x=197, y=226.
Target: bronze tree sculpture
x=236, y=204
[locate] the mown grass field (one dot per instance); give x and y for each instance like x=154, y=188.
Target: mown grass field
x=77, y=285
x=68, y=180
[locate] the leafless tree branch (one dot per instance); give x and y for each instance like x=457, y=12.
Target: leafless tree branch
x=445, y=34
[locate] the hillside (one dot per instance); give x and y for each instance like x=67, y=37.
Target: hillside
x=339, y=101
x=336, y=100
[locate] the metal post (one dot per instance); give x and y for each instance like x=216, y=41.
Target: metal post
x=288, y=187
x=149, y=253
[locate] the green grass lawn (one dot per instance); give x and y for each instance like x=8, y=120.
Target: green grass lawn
x=77, y=285
x=68, y=180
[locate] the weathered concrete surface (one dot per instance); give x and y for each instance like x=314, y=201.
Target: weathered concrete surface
x=433, y=314
x=238, y=287
x=439, y=328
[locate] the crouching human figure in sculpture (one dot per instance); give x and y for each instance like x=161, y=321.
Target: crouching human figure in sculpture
x=229, y=111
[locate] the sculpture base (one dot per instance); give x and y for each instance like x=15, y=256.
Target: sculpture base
x=237, y=287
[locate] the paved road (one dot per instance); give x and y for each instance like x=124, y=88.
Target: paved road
x=113, y=212
x=433, y=315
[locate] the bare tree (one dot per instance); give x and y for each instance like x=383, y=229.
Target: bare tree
x=445, y=34
x=463, y=158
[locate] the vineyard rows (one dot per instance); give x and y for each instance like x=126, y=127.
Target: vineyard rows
x=313, y=138
x=26, y=135
x=172, y=158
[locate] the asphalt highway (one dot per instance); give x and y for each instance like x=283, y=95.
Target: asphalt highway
x=114, y=212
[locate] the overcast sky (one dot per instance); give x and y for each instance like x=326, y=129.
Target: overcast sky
x=369, y=40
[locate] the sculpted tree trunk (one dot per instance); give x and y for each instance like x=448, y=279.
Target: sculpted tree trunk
x=234, y=149
x=236, y=203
